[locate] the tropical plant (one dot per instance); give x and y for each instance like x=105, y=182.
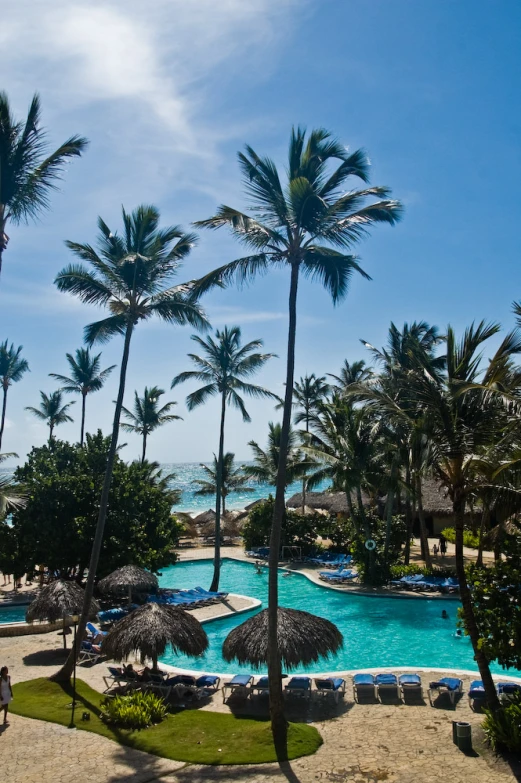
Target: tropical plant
x=134, y=710
x=86, y=377
x=266, y=462
x=299, y=227
x=130, y=276
x=12, y=495
x=224, y=369
x=28, y=174
x=147, y=416
x=308, y=394
x=52, y=411
x=502, y=727
x=12, y=369
x=350, y=372
x=232, y=479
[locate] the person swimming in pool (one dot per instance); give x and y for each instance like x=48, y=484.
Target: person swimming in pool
x=258, y=567
x=444, y=615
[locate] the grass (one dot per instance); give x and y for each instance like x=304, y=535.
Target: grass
x=195, y=736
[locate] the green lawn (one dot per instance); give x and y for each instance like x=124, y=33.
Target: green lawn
x=191, y=735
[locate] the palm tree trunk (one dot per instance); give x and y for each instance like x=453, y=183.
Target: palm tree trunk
x=83, y=402
x=51, y=430
x=279, y=724
x=426, y=554
x=458, y=505
x=144, y=447
x=218, y=500
x=485, y=518
x=352, y=514
x=408, y=513
x=4, y=406
x=304, y=479
x=65, y=672
x=389, y=510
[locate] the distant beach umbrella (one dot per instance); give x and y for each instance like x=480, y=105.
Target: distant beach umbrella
x=303, y=638
x=129, y=579
x=57, y=601
x=205, y=517
x=148, y=631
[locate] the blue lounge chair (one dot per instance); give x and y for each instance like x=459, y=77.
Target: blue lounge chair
x=331, y=687
x=261, y=687
x=363, y=685
x=451, y=685
x=506, y=690
x=89, y=652
x=345, y=576
x=210, y=593
x=96, y=634
x=387, y=683
x=298, y=686
x=476, y=693
x=407, y=581
x=410, y=683
x=207, y=684
x=240, y=685
x=117, y=676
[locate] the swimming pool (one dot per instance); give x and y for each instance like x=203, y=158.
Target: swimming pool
x=12, y=614
x=378, y=632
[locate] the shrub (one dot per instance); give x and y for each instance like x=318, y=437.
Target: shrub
x=135, y=711
x=503, y=727
x=297, y=530
x=470, y=539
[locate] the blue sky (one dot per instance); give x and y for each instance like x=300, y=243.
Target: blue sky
x=168, y=92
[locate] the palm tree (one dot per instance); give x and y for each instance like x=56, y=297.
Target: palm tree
x=52, y=411
x=27, y=174
x=86, y=377
x=147, y=416
x=299, y=227
x=223, y=368
x=12, y=368
x=308, y=394
x=464, y=415
x=130, y=276
x=266, y=462
x=351, y=372
x=11, y=494
x=232, y=479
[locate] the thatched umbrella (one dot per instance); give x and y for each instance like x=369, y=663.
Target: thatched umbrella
x=57, y=601
x=150, y=628
x=129, y=578
x=205, y=517
x=303, y=639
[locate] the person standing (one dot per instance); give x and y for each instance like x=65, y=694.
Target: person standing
x=6, y=692
x=443, y=545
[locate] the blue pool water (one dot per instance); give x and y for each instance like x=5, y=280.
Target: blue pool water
x=12, y=614
x=378, y=632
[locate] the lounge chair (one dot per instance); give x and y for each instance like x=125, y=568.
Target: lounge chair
x=89, y=653
x=117, y=676
x=96, y=635
x=506, y=690
x=410, y=683
x=386, y=683
x=207, y=684
x=157, y=681
x=451, y=685
x=476, y=693
x=261, y=687
x=363, y=685
x=407, y=581
x=240, y=685
x=334, y=687
x=345, y=575
x=299, y=686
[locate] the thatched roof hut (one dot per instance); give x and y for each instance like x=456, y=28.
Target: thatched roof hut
x=129, y=579
x=57, y=601
x=303, y=639
x=205, y=517
x=148, y=631
x=255, y=503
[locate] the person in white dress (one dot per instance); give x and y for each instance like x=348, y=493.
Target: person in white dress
x=6, y=692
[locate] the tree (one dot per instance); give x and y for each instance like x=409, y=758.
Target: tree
x=266, y=462
x=52, y=411
x=28, y=174
x=232, y=479
x=86, y=377
x=12, y=495
x=351, y=372
x=298, y=227
x=224, y=367
x=147, y=416
x=56, y=526
x=308, y=394
x=465, y=411
x=12, y=369
x=130, y=276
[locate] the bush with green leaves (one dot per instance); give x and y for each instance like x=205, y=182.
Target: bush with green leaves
x=399, y=570
x=297, y=530
x=503, y=727
x=374, y=567
x=470, y=539
x=63, y=484
x=136, y=710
